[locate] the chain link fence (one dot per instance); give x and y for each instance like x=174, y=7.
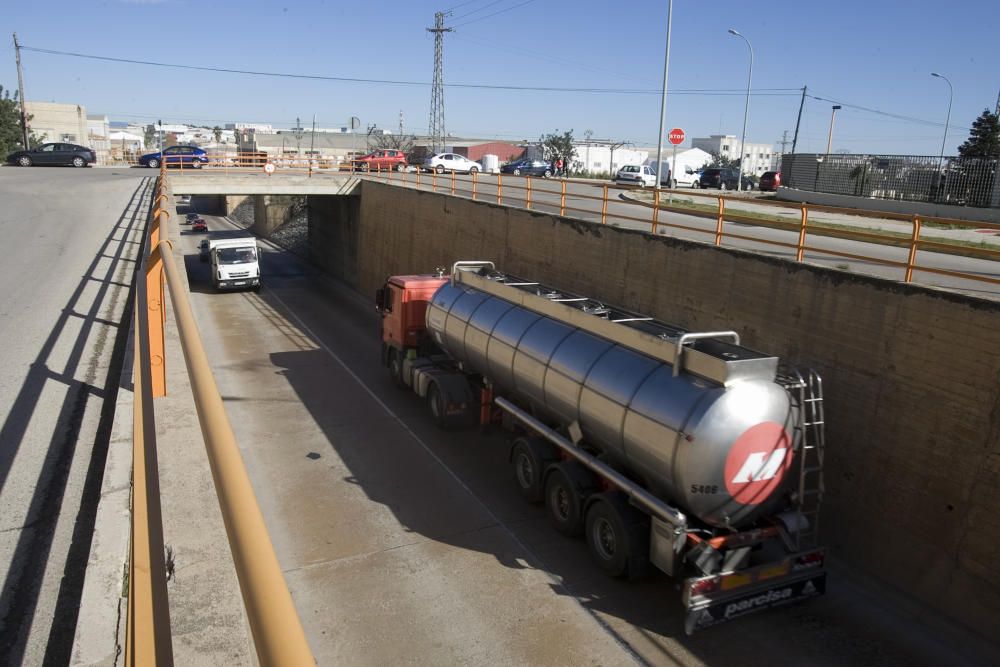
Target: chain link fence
x=955, y=180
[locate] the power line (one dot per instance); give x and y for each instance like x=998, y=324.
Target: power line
x=520, y=4
x=482, y=86
x=476, y=11
x=879, y=112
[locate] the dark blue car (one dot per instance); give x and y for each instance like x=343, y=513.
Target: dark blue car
x=175, y=156
x=528, y=168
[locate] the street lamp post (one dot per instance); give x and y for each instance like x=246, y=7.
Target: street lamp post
x=746, y=109
x=663, y=99
x=829, y=137
x=951, y=95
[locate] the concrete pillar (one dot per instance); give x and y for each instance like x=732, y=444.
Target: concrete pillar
x=271, y=212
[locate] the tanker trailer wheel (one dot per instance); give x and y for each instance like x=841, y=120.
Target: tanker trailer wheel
x=436, y=405
x=529, y=456
x=566, y=489
x=618, y=536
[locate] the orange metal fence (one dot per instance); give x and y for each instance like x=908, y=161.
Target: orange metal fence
x=274, y=623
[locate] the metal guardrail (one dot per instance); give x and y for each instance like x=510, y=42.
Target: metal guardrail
x=956, y=181
x=274, y=623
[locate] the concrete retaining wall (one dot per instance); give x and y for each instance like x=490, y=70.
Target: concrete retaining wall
x=912, y=375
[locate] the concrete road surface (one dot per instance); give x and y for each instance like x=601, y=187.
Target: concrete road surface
x=69, y=237
x=405, y=544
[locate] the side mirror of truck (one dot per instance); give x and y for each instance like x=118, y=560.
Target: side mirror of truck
x=379, y=299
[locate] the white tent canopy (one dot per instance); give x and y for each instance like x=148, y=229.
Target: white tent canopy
x=124, y=136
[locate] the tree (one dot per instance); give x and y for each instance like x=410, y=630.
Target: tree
x=399, y=142
x=149, y=138
x=10, y=123
x=984, y=138
x=217, y=133
x=718, y=161
x=556, y=146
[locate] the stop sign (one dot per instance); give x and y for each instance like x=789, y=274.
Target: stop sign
x=676, y=136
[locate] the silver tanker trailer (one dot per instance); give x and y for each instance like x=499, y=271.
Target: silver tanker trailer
x=665, y=447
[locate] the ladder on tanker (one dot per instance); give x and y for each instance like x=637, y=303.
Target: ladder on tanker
x=807, y=398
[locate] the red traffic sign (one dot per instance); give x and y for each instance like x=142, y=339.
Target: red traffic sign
x=676, y=136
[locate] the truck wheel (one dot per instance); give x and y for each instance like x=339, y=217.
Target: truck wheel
x=396, y=369
x=528, y=457
x=436, y=405
x=566, y=489
x=618, y=536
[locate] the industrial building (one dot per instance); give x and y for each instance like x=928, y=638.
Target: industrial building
x=758, y=157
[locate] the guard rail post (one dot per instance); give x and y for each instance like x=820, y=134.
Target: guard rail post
x=452, y=181
x=562, y=199
x=656, y=209
x=527, y=193
x=800, y=247
x=604, y=206
x=718, y=223
x=434, y=180
x=914, y=243
x=499, y=188
x=475, y=183
x=147, y=624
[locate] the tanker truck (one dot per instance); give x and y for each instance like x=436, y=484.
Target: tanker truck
x=662, y=447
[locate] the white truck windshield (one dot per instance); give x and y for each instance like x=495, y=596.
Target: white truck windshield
x=237, y=255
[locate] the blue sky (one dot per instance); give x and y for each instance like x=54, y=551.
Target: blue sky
x=876, y=54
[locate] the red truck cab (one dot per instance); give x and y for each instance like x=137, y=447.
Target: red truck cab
x=403, y=305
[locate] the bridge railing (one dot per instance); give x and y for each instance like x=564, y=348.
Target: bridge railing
x=274, y=623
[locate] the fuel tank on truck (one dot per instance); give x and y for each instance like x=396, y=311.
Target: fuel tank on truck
x=698, y=419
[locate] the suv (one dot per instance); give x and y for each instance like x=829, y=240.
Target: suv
x=723, y=179
x=770, y=181
x=381, y=160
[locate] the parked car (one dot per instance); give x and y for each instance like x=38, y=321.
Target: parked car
x=442, y=162
x=528, y=168
x=381, y=160
x=770, y=181
x=199, y=226
x=52, y=154
x=723, y=179
x=636, y=174
x=175, y=156
x=204, y=249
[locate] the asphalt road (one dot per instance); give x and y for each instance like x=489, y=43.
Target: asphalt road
x=402, y=543
x=583, y=200
x=69, y=239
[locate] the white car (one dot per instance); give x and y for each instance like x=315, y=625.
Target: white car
x=442, y=162
x=636, y=174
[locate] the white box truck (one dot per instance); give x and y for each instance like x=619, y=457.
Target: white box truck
x=234, y=263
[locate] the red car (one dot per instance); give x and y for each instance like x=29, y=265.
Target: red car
x=770, y=181
x=199, y=226
x=381, y=160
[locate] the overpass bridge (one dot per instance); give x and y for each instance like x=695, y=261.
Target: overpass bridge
x=400, y=543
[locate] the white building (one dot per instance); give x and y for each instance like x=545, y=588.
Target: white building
x=98, y=131
x=599, y=157
x=261, y=128
x=757, y=157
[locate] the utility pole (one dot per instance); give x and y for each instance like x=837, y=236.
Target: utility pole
x=997, y=111
x=20, y=92
x=798, y=121
x=436, y=127
x=400, y=122
x=663, y=100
